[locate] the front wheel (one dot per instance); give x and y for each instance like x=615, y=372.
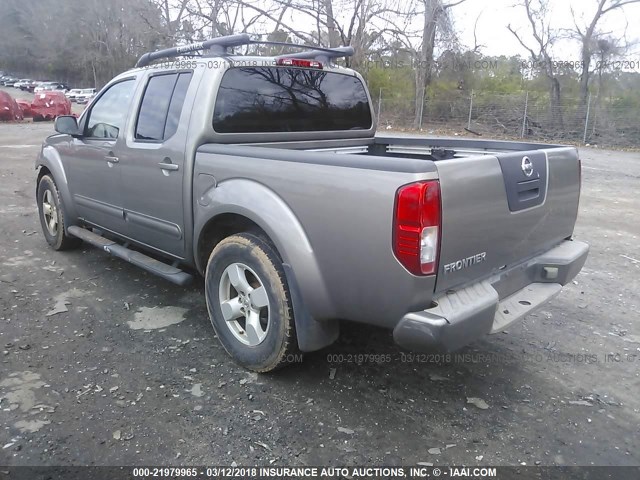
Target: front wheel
x=249, y=303
x=52, y=216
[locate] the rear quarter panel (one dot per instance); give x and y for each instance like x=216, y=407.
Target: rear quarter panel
x=342, y=204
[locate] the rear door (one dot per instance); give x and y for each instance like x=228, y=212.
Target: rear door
x=153, y=164
x=499, y=210
x=92, y=162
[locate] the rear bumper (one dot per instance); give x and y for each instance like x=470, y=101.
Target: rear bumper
x=491, y=305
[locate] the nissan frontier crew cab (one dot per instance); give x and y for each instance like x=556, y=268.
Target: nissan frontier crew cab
x=265, y=176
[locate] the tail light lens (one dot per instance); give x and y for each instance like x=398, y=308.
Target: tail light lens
x=416, y=227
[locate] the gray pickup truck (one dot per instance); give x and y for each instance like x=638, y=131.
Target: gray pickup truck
x=265, y=176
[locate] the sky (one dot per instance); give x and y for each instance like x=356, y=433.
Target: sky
x=495, y=15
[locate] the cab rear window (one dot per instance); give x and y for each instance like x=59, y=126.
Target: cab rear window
x=277, y=99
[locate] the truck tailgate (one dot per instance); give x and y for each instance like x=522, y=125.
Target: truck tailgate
x=499, y=210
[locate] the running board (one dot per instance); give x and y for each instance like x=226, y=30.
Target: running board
x=151, y=265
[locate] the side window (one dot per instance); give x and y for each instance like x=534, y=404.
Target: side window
x=108, y=115
x=161, y=106
x=175, y=108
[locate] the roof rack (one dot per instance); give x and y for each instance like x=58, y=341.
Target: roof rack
x=221, y=46
x=320, y=54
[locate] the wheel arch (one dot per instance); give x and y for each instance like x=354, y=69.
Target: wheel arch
x=220, y=227
x=245, y=206
x=41, y=173
x=50, y=163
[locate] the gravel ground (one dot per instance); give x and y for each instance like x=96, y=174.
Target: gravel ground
x=129, y=371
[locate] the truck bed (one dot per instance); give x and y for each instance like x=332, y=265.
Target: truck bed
x=493, y=215
x=411, y=146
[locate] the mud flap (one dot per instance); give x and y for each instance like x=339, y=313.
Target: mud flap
x=312, y=334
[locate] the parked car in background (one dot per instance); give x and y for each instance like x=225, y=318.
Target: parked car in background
x=24, y=86
x=58, y=87
x=44, y=86
x=71, y=94
x=10, y=82
x=25, y=106
x=21, y=82
x=30, y=87
x=40, y=86
x=85, y=95
x=47, y=105
x=10, y=111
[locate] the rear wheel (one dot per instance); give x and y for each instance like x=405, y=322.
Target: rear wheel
x=249, y=303
x=52, y=216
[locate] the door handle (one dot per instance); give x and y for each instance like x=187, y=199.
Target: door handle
x=111, y=159
x=169, y=166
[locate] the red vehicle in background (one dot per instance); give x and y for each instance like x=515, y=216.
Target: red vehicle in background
x=48, y=105
x=9, y=109
x=25, y=106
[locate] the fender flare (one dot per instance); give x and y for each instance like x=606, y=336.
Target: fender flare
x=315, y=325
x=50, y=159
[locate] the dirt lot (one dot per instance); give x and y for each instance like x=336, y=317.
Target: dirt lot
x=132, y=373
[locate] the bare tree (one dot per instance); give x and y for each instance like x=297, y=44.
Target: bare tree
x=359, y=23
x=172, y=12
x=543, y=39
x=213, y=18
x=588, y=36
x=331, y=23
x=435, y=16
x=477, y=47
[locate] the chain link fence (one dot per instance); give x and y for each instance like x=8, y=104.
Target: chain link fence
x=522, y=115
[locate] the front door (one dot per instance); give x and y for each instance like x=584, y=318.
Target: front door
x=92, y=162
x=153, y=165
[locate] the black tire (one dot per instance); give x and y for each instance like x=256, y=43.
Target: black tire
x=56, y=237
x=279, y=346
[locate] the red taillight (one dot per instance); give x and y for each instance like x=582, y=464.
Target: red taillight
x=416, y=227
x=296, y=62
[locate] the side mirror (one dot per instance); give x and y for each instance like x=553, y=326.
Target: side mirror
x=67, y=124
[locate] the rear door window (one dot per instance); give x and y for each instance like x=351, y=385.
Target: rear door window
x=280, y=99
x=161, y=106
x=175, y=107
